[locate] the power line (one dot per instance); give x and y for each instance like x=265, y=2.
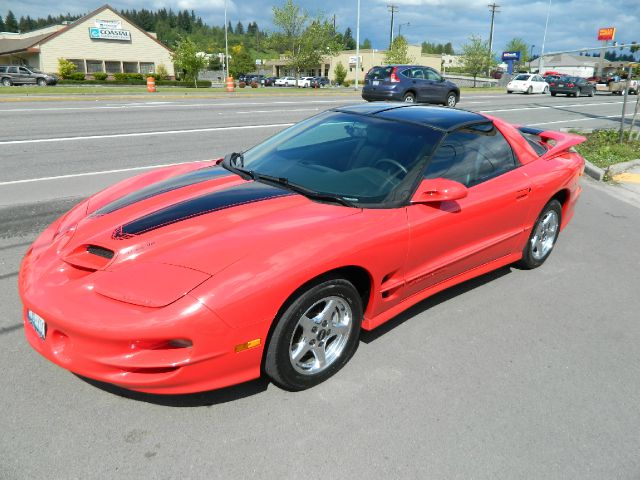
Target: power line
x=393, y=9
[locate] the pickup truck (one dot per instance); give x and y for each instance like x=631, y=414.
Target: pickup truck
x=617, y=88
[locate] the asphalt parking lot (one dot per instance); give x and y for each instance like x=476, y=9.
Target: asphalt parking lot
x=517, y=374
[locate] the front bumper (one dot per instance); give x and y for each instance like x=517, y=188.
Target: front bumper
x=127, y=345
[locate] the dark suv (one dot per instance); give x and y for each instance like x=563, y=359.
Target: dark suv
x=20, y=75
x=409, y=83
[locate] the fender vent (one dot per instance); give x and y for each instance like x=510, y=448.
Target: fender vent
x=100, y=251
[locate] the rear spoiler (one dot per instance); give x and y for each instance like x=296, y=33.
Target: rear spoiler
x=559, y=141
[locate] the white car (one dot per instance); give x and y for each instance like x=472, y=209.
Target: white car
x=305, y=82
x=528, y=83
x=285, y=82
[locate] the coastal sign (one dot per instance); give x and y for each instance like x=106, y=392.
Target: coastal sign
x=109, y=34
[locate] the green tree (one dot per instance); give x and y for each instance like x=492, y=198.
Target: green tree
x=2, y=27
x=518, y=45
x=306, y=40
x=10, y=22
x=240, y=28
x=187, y=59
x=348, y=41
x=241, y=61
x=366, y=44
x=65, y=68
x=476, y=57
x=398, y=53
x=340, y=73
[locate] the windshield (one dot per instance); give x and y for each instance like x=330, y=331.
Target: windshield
x=35, y=70
x=367, y=161
x=522, y=77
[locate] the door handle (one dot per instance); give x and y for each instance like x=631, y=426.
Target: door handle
x=523, y=193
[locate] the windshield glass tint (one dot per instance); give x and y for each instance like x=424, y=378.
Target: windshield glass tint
x=379, y=73
x=366, y=160
x=522, y=77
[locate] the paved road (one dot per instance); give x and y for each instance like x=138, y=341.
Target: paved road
x=513, y=375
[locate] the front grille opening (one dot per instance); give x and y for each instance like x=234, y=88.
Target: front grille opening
x=100, y=251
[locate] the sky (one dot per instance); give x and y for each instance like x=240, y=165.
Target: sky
x=573, y=24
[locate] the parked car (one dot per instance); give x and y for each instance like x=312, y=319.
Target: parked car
x=269, y=81
x=285, y=82
x=528, y=83
x=259, y=79
x=572, y=86
x=304, y=82
x=388, y=205
x=410, y=84
x=318, y=82
x=24, y=75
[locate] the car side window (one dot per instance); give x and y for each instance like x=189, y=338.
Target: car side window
x=12, y=70
x=431, y=75
x=471, y=156
x=24, y=70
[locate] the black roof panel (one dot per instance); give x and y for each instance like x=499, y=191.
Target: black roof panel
x=437, y=117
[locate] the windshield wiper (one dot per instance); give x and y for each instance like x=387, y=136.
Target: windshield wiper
x=230, y=162
x=307, y=192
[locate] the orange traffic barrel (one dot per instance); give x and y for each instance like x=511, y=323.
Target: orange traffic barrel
x=230, y=84
x=151, y=84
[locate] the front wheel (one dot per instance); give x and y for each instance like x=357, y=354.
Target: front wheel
x=543, y=236
x=529, y=91
x=545, y=91
x=315, y=336
x=452, y=99
x=41, y=82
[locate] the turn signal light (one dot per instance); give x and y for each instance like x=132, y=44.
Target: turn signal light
x=247, y=345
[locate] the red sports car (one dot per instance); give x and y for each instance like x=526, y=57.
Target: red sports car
x=204, y=275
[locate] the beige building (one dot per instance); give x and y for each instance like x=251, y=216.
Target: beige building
x=368, y=58
x=102, y=41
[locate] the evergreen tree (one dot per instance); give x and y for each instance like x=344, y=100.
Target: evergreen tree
x=239, y=28
x=366, y=44
x=10, y=22
x=230, y=27
x=2, y=27
x=348, y=40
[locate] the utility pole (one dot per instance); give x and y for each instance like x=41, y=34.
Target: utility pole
x=226, y=44
x=355, y=84
x=393, y=9
x=494, y=8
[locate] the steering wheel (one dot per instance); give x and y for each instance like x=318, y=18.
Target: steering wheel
x=393, y=163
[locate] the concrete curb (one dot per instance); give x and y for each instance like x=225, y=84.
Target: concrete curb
x=622, y=167
x=594, y=172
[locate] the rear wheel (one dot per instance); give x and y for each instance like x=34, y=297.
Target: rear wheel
x=592, y=92
x=6, y=82
x=315, y=336
x=577, y=94
x=553, y=94
x=452, y=99
x=409, y=97
x=543, y=236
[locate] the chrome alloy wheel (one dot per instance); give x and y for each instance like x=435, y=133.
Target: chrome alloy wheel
x=320, y=335
x=545, y=235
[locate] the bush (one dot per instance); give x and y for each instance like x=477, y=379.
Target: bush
x=347, y=83
x=76, y=76
x=254, y=84
x=65, y=67
x=161, y=72
x=100, y=76
x=340, y=73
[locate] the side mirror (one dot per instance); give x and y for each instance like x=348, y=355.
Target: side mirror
x=438, y=190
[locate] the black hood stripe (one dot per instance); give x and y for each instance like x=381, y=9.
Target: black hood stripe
x=173, y=183
x=211, y=202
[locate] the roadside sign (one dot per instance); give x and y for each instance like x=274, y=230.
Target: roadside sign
x=607, y=33
x=510, y=56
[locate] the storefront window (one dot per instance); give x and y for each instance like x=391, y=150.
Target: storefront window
x=79, y=65
x=147, y=67
x=94, y=66
x=130, y=67
x=113, y=67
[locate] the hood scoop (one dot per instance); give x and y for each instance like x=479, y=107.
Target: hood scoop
x=89, y=257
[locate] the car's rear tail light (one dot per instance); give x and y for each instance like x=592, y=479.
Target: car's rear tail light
x=570, y=85
x=394, y=77
x=553, y=84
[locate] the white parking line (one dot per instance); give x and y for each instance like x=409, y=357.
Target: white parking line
x=87, y=174
x=143, y=134
x=597, y=117
x=552, y=107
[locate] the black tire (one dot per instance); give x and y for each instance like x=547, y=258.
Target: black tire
x=41, y=82
x=539, y=244
x=553, y=94
x=577, y=94
x=6, y=82
x=451, y=100
x=545, y=91
x=279, y=364
x=529, y=91
x=592, y=92
x=509, y=91
x=409, y=97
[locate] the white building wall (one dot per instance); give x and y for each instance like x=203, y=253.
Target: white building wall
x=76, y=44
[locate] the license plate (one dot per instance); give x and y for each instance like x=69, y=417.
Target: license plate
x=561, y=85
x=38, y=324
x=376, y=82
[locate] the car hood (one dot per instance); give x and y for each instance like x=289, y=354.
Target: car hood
x=204, y=220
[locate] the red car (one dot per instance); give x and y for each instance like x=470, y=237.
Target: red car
x=204, y=275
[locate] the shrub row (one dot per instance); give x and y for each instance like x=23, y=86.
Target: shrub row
x=173, y=83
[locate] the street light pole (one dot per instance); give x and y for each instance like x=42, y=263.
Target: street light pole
x=544, y=38
x=226, y=44
x=355, y=84
x=408, y=24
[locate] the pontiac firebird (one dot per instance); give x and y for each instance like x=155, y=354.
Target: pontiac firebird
x=271, y=261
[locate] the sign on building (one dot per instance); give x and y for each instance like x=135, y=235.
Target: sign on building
x=606, y=33
x=353, y=59
x=109, y=34
x=109, y=24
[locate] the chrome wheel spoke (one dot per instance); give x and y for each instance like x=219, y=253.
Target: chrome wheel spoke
x=300, y=351
x=321, y=357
